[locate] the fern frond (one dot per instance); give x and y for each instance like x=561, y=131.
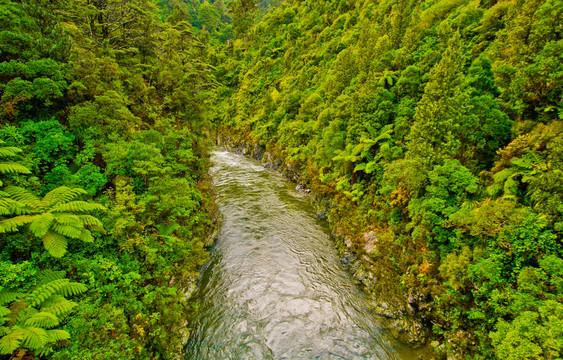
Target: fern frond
x=12, y=224
x=34, y=338
x=4, y=330
x=90, y=221
x=9, y=151
x=12, y=207
x=77, y=206
x=67, y=230
x=41, y=224
x=44, y=292
x=86, y=236
x=10, y=342
x=7, y=297
x=13, y=168
x=58, y=287
x=48, y=275
x=58, y=305
x=62, y=194
x=166, y=230
x=68, y=219
x=22, y=195
x=45, y=320
x=4, y=311
x=72, y=288
x=57, y=335
x=55, y=244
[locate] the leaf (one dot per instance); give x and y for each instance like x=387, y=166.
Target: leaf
x=48, y=275
x=8, y=151
x=11, y=225
x=58, y=335
x=55, y=244
x=34, y=338
x=72, y=288
x=77, y=206
x=62, y=194
x=166, y=230
x=43, y=320
x=86, y=236
x=7, y=297
x=10, y=342
x=41, y=224
x=67, y=230
x=13, y=168
x=88, y=220
x=371, y=167
x=58, y=305
x=12, y=207
x=360, y=167
x=4, y=311
x=22, y=195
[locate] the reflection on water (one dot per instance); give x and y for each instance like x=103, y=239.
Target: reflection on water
x=274, y=288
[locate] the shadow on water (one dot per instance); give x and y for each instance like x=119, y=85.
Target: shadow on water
x=274, y=287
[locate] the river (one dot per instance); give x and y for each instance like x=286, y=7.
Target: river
x=274, y=287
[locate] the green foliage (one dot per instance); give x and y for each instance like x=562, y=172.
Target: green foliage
x=436, y=123
x=31, y=317
x=53, y=218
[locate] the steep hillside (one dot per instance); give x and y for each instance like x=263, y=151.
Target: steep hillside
x=100, y=102
x=433, y=132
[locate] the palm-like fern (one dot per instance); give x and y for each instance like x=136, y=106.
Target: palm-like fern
x=10, y=167
x=53, y=218
x=28, y=320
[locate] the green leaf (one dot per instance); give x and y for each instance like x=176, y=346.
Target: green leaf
x=55, y=244
x=62, y=194
x=77, y=206
x=7, y=297
x=44, y=320
x=13, y=168
x=10, y=342
x=41, y=224
x=58, y=305
x=11, y=225
x=360, y=167
x=34, y=338
x=58, y=335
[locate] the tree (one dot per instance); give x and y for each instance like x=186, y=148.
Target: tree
x=51, y=218
x=28, y=321
x=243, y=13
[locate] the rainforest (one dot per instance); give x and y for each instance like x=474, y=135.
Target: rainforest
x=428, y=134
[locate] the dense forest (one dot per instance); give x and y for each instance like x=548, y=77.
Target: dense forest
x=429, y=132
x=104, y=201
x=432, y=133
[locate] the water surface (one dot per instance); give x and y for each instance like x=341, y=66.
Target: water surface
x=274, y=287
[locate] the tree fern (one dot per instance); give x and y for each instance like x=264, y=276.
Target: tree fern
x=14, y=168
x=51, y=218
x=41, y=224
x=32, y=317
x=55, y=244
x=8, y=151
x=34, y=337
x=77, y=206
x=62, y=195
x=43, y=319
x=62, y=287
x=11, y=341
x=58, y=305
x=7, y=297
x=10, y=167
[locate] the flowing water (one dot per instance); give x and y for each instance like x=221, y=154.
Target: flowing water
x=274, y=287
